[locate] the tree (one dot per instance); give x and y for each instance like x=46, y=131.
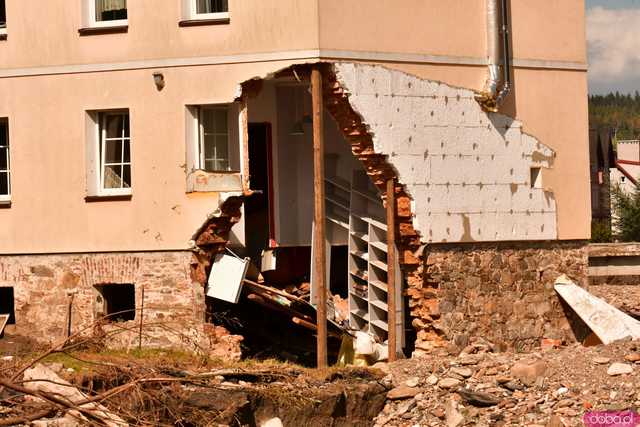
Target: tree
x=626, y=209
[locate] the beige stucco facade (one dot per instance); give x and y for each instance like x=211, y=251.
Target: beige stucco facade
x=50, y=76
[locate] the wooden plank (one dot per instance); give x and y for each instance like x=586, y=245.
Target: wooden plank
x=244, y=143
x=320, y=255
x=606, y=321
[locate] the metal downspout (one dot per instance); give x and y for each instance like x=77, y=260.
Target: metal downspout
x=493, y=93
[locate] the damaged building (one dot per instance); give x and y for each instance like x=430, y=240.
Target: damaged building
x=145, y=142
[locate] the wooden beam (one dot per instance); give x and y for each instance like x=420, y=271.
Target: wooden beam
x=320, y=260
x=391, y=270
x=244, y=142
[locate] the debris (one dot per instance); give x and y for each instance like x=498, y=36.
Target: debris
x=547, y=343
x=438, y=413
x=632, y=357
x=561, y=391
x=43, y=381
x=606, y=321
x=453, y=417
x=365, y=345
x=448, y=383
x=4, y=319
x=555, y=421
x=528, y=373
x=226, y=277
x=412, y=382
x=477, y=398
x=601, y=360
x=432, y=380
x=402, y=392
x=382, y=366
x=619, y=369
x=273, y=422
x=463, y=372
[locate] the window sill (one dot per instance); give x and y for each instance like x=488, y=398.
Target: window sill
x=5, y=204
x=200, y=181
x=201, y=22
x=93, y=31
x=112, y=198
x=3, y=36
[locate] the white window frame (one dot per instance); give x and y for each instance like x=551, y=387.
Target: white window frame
x=101, y=140
x=90, y=17
x=7, y=197
x=193, y=12
x=200, y=138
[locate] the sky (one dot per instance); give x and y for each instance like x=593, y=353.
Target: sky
x=613, y=40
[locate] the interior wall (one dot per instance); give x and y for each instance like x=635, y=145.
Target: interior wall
x=294, y=174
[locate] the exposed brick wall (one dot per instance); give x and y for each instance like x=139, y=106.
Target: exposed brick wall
x=44, y=286
x=502, y=292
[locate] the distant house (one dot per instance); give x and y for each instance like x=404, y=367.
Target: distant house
x=601, y=160
x=626, y=168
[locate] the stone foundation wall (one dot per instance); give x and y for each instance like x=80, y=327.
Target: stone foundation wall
x=46, y=285
x=502, y=292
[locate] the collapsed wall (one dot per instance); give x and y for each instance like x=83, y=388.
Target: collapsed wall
x=469, y=187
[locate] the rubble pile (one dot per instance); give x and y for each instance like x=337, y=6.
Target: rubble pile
x=550, y=387
x=624, y=297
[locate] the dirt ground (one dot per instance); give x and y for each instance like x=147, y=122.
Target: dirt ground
x=524, y=389
x=168, y=388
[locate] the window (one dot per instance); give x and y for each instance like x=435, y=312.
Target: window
x=213, y=146
x=117, y=301
x=114, y=153
x=5, y=167
x=3, y=17
x=206, y=9
x=106, y=13
x=7, y=304
x=213, y=138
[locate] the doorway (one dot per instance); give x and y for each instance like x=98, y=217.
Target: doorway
x=259, y=220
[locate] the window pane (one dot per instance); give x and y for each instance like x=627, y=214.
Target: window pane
x=212, y=6
x=126, y=125
x=126, y=176
x=221, y=121
x=113, y=151
x=114, y=125
x=127, y=152
x=4, y=183
x=207, y=115
x=222, y=147
x=111, y=10
x=4, y=159
x=3, y=15
x=4, y=135
x=112, y=177
x=209, y=146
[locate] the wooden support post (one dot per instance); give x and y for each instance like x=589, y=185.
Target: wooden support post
x=69, y=314
x=320, y=261
x=244, y=142
x=391, y=270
